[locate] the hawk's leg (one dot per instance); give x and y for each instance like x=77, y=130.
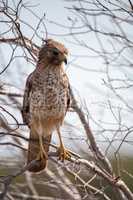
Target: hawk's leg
x=64, y=154
x=42, y=153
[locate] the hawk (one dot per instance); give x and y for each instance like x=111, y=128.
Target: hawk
x=45, y=103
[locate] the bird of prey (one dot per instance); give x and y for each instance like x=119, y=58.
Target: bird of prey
x=45, y=103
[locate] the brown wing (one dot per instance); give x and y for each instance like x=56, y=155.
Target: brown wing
x=26, y=100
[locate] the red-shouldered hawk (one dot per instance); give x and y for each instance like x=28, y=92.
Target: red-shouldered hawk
x=45, y=103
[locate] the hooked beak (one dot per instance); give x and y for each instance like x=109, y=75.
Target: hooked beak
x=65, y=61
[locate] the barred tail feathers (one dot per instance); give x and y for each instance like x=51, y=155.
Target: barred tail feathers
x=33, y=152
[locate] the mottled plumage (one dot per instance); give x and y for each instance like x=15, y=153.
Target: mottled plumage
x=46, y=100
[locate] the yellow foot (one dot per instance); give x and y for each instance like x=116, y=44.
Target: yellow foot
x=64, y=154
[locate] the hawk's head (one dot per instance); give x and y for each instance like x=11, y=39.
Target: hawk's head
x=53, y=52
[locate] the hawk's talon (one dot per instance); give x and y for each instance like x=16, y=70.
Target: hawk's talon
x=64, y=154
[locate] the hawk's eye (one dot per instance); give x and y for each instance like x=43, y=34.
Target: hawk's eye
x=55, y=52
